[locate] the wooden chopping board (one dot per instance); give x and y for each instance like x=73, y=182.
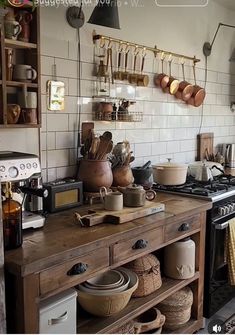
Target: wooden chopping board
x=205, y=142
x=100, y=215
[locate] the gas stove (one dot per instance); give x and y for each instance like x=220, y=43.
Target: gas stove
x=220, y=188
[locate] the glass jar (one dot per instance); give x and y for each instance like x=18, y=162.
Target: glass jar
x=12, y=220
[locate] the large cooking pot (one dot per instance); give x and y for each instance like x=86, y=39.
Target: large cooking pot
x=194, y=167
x=170, y=173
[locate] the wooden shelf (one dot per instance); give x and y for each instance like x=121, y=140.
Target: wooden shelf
x=136, y=306
x=188, y=328
x=19, y=44
x=20, y=125
x=20, y=84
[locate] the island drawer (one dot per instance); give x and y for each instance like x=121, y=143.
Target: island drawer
x=74, y=271
x=177, y=229
x=144, y=242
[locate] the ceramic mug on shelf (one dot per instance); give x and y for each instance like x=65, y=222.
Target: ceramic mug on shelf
x=113, y=201
x=12, y=29
x=27, y=99
x=22, y=72
x=28, y=116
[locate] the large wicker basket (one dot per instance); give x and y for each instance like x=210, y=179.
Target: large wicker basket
x=177, y=308
x=147, y=269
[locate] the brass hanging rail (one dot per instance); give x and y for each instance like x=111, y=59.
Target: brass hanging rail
x=155, y=50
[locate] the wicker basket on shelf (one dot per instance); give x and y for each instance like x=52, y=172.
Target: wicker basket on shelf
x=147, y=269
x=177, y=308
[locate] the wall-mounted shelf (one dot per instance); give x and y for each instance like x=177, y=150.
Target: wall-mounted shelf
x=118, y=116
x=20, y=84
x=19, y=44
x=27, y=53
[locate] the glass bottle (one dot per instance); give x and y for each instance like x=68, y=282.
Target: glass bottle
x=12, y=220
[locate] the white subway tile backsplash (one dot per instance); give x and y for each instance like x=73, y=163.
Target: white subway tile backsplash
x=57, y=122
x=65, y=140
x=57, y=158
x=169, y=127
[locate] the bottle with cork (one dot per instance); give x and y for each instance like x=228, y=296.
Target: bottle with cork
x=12, y=220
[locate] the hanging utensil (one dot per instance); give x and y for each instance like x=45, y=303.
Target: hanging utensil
x=173, y=83
x=133, y=76
x=185, y=90
x=199, y=93
x=143, y=79
x=162, y=79
x=125, y=74
x=117, y=74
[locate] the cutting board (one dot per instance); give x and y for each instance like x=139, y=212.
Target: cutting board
x=100, y=215
x=205, y=142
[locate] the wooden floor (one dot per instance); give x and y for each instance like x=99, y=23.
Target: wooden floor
x=223, y=314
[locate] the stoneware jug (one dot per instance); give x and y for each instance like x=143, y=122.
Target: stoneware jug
x=179, y=259
x=24, y=19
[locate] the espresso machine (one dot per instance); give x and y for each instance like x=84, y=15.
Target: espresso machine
x=24, y=172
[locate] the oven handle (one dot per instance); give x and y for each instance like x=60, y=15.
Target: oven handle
x=221, y=226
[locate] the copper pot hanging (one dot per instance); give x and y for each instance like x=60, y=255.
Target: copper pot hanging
x=162, y=79
x=185, y=90
x=199, y=93
x=143, y=79
x=173, y=83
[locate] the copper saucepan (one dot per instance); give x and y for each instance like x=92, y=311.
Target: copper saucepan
x=199, y=93
x=161, y=79
x=185, y=90
x=173, y=83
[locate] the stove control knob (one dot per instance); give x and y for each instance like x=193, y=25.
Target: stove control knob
x=233, y=204
x=222, y=211
x=227, y=209
x=230, y=208
x=2, y=168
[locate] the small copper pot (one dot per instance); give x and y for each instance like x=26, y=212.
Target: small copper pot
x=185, y=89
x=143, y=79
x=161, y=79
x=199, y=93
x=173, y=83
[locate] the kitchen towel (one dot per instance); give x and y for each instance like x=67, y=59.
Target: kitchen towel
x=230, y=250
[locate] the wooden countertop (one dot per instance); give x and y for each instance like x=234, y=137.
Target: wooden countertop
x=61, y=239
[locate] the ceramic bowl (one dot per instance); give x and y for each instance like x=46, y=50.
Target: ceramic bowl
x=108, y=304
x=94, y=287
x=109, y=279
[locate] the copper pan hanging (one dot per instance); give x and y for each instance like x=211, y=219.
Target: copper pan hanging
x=186, y=89
x=173, y=83
x=162, y=79
x=199, y=93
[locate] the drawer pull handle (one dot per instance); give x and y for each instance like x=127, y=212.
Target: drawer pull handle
x=60, y=319
x=77, y=269
x=140, y=244
x=184, y=227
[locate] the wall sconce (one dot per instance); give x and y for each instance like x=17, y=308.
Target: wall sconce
x=106, y=14
x=207, y=47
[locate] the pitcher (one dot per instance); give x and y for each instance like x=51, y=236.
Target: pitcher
x=24, y=19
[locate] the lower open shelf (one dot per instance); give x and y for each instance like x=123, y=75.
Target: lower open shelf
x=93, y=325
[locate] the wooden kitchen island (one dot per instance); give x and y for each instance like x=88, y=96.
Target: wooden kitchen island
x=39, y=269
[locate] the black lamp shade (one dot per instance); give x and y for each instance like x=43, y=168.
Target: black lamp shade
x=106, y=14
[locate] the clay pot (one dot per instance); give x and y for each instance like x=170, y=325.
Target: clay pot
x=94, y=174
x=13, y=113
x=122, y=176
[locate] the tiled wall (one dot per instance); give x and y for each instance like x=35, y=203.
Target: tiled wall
x=169, y=128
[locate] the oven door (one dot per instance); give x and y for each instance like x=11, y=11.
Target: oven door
x=219, y=267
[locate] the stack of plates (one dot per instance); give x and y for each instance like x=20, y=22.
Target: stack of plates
x=113, y=281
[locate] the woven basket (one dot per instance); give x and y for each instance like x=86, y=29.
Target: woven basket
x=147, y=269
x=177, y=308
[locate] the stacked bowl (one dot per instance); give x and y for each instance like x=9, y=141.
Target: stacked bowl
x=108, y=293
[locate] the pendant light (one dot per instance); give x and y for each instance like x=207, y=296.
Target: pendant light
x=106, y=14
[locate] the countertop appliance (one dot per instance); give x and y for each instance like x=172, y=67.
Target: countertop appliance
x=63, y=194
x=221, y=191
x=20, y=168
x=230, y=155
